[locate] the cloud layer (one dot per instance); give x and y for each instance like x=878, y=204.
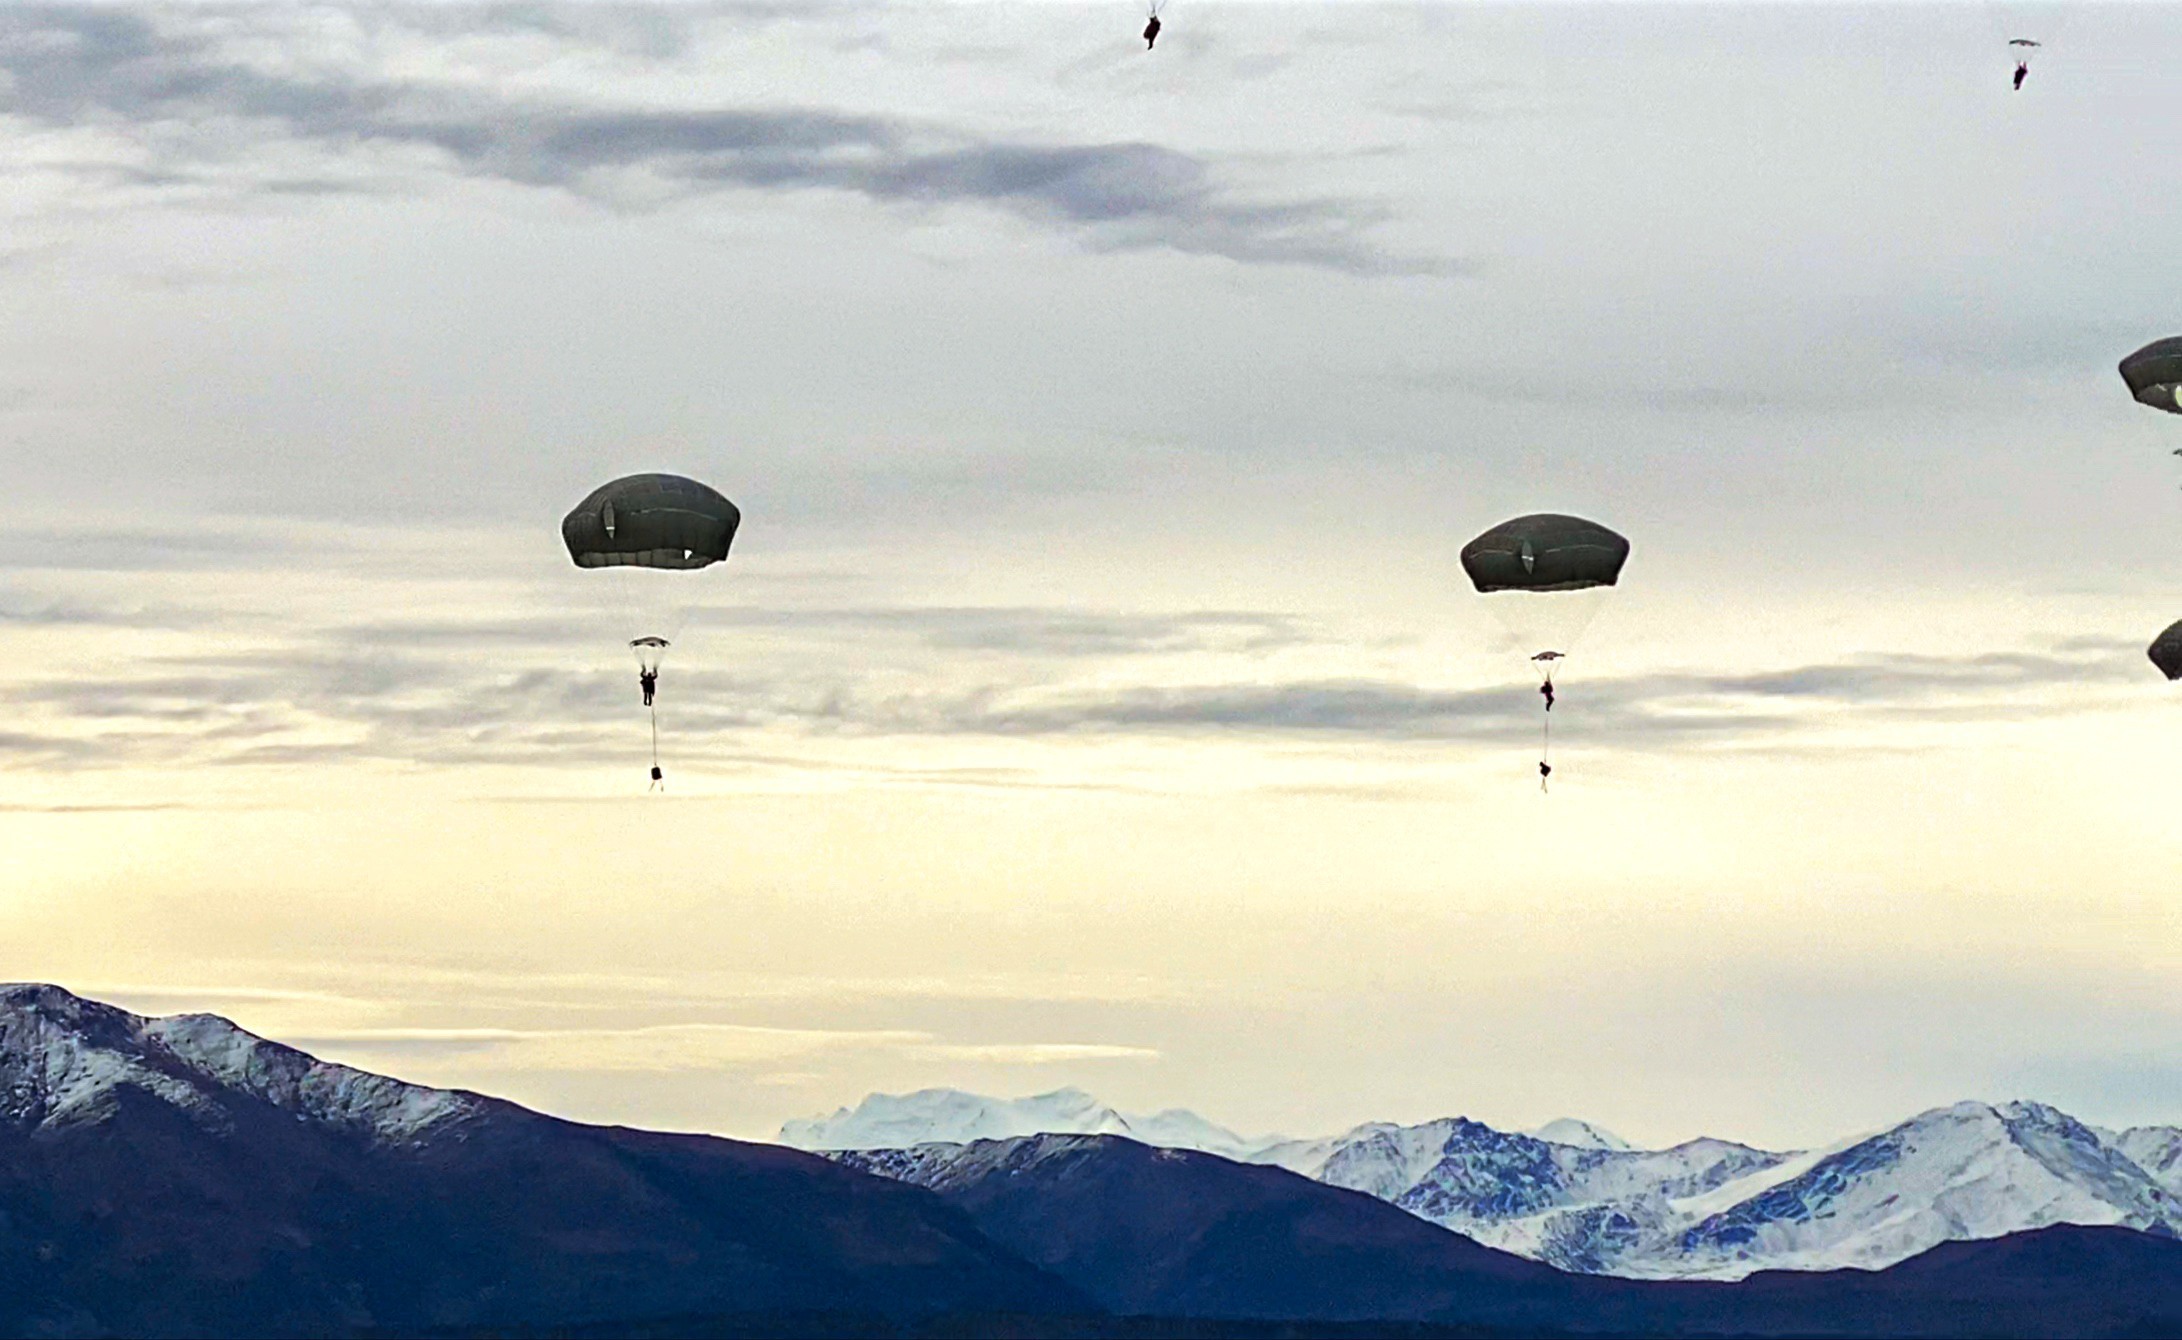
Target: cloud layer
x=503, y=690
x=198, y=113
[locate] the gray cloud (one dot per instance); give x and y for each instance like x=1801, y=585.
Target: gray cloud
x=344, y=698
x=33, y=611
x=126, y=548
x=1675, y=390
x=1899, y=677
x=1648, y=709
x=198, y=113
x=1052, y=632
x=1021, y=630
x=501, y=690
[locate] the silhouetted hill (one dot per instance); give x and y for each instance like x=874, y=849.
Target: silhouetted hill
x=1181, y=1233
x=2064, y=1280
x=180, y=1176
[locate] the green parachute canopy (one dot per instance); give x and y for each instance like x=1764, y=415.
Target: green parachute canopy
x=2166, y=651
x=1543, y=577
x=1543, y=553
x=2154, y=374
x=651, y=521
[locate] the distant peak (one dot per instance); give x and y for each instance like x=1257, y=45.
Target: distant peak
x=64, y=1060
x=952, y=1117
x=45, y=996
x=1582, y=1135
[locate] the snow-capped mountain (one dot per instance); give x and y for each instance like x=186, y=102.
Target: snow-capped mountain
x=65, y=1060
x=1578, y=1197
x=1157, y=1232
x=1711, y=1209
x=950, y=1116
x=1581, y=1134
x=1967, y=1171
x=1578, y=1208
x=2157, y=1150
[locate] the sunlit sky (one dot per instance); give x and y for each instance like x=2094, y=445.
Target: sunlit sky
x=1093, y=696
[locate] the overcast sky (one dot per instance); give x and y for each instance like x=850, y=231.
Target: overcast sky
x=1093, y=695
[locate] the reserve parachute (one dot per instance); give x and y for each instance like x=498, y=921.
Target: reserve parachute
x=647, y=532
x=1545, y=577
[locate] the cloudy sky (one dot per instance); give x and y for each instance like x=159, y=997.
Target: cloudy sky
x=1093, y=696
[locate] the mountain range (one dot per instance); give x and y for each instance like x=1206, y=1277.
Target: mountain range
x=1181, y=1233
x=182, y=1177
x=1577, y=1197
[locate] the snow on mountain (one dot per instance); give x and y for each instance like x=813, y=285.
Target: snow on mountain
x=944, y=1166
x=1712, y=1209
x=950, y=1116
x=65, y=1061
x=1298, y=1156
x=1385, y=1160
x=1967, y=1171
x=2157, y=1150
x=1579, y=1198
x=1577, y=1208
x=1581, y=1134
x=928, y=1116
x=1177, y=1128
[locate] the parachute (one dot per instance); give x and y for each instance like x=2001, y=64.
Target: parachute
x=645, y=530
x=1546, y=576
x=2028, y=27
x=2154, y=374
x=651, y=521
x=2021, y=49
x=2166, y=651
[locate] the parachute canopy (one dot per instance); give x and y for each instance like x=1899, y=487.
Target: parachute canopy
x=651, y=521
x=2023, y=42
x=2154, y=374
x=2166, y=651
x=1545, y=552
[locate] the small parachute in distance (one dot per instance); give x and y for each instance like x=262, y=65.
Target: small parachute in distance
x=2166, y=651
x=2154, y=374
x=2021, y=47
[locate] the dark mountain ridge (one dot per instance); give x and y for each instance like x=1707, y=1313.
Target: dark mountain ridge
x=180, y=1176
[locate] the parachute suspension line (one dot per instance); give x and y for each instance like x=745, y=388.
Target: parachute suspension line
x=1545, y=661
x=1545, y=735
x=657, y=783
